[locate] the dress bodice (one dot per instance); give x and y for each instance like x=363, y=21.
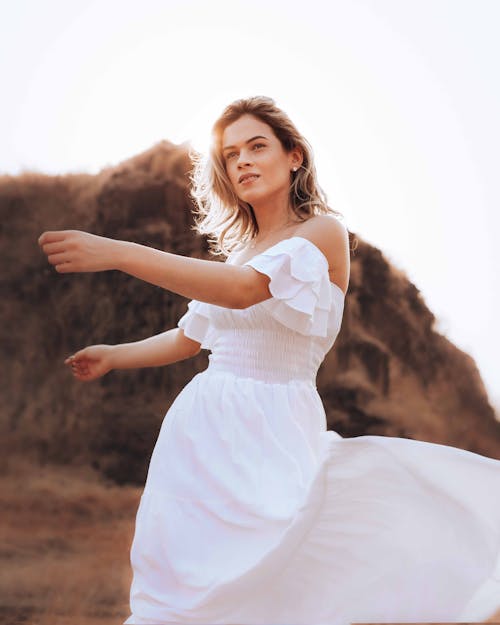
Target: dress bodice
x=285, y=337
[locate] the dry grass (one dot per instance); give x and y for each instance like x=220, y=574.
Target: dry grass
x=64, y=553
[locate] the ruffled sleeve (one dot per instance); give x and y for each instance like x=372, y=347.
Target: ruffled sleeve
x=303, y=298
x=197, y=325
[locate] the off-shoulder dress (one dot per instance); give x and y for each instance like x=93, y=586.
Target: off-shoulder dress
x=253, y=513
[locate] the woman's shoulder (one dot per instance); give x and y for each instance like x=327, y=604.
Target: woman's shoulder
x=324, y=221
x=331, y=237
x=326, y=231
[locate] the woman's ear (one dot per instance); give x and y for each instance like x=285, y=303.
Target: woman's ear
x=296, y=158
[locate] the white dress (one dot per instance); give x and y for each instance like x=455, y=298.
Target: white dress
x=254, y=514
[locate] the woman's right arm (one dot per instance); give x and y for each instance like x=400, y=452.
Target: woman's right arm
x=162, y=349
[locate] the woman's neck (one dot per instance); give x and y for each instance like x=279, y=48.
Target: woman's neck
x=274, y=230
x=273, y=217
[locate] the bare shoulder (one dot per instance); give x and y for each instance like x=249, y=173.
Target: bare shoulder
x=330, y=235
x=326, y=231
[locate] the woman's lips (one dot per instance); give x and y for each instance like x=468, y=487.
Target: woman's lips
x=249, y=179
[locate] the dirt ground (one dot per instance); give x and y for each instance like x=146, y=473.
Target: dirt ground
x=65, y=538
x=64, y=548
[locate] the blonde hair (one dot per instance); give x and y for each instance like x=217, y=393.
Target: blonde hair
x=219, y=213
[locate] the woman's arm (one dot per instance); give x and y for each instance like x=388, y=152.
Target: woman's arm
x=162, y=349
x=155, y=351
x=222, y=284
x=225, y=285
x=230, y=286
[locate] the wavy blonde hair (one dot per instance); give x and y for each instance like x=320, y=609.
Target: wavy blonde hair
x=219, y=213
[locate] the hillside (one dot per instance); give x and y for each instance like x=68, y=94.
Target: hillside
x=389, y=373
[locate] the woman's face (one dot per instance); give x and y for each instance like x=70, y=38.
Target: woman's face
x=256, y=163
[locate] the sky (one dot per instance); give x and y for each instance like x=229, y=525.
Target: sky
x=399, y=99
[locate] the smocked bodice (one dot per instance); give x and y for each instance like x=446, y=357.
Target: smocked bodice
x=283, y=338
x=268, y=354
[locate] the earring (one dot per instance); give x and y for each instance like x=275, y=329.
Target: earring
x=294, y=169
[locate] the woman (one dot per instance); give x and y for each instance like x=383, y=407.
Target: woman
x=253, y=513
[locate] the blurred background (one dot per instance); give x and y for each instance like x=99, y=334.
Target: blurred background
x=399, y=99
x=102, y=101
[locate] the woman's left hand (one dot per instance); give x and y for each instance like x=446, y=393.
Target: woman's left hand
x=76, y=251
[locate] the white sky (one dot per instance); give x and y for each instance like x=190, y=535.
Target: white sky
x=399, y=98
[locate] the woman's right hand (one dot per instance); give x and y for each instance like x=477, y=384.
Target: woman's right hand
x=91, y=362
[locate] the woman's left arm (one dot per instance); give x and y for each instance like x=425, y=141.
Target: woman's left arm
x=229, y=286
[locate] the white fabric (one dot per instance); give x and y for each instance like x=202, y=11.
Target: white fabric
x=254, y=514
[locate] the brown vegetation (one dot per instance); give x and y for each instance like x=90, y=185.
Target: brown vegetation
x=64, y=556
x=389, y=373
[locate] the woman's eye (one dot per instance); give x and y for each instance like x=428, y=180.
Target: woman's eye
x=255, y=146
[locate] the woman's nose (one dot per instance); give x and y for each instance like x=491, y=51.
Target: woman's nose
x=244, y=158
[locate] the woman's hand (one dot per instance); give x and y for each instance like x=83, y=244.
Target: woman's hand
x=76, y=251
x=91, y=362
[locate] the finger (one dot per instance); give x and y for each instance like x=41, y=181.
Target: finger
x=65, y=268
x=59, y=259
x=51, y=236
x=83, y=377
x=79, y=373
x=79, y=357
x=74, y=360
x=54, y=248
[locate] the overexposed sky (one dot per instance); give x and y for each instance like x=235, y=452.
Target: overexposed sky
x=399, y=98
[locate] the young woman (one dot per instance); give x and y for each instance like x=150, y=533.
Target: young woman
x=253, y=513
